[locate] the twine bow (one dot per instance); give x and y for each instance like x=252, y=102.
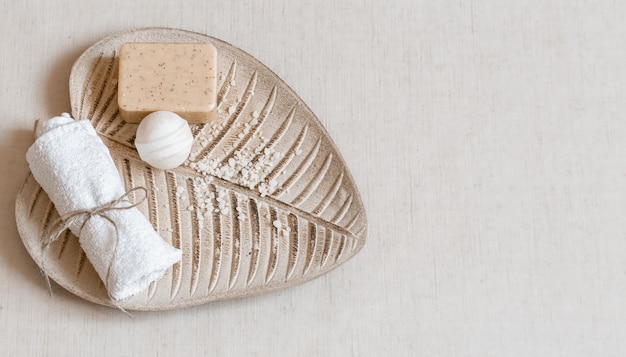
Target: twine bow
x=60, y=225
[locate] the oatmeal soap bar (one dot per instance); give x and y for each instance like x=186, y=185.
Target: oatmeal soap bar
x=176, y=77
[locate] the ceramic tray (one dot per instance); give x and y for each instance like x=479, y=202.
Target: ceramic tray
x=297, y=215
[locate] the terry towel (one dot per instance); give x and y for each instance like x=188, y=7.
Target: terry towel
x=75, y=168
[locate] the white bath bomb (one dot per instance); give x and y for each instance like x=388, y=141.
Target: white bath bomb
x=163, y=140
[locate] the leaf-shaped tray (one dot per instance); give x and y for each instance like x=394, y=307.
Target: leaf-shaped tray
x=264, y=202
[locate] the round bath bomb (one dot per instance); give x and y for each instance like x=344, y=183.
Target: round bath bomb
x=163, y=140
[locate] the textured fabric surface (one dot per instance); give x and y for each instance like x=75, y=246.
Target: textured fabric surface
x=487, y=141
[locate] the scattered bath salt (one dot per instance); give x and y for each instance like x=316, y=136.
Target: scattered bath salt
x=231, y=109
x=249, y=166
x=233, y=83
x=179, y=191
x=221, y=201
x=255, y=114
x=245, y=167
x=277, y=224
x=298, y=152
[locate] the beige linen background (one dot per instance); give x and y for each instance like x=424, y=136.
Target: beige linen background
x=487, y=139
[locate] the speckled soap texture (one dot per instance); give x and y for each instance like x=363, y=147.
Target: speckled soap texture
x=177, y=77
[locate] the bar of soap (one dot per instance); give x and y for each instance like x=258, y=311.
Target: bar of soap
x=175, y=77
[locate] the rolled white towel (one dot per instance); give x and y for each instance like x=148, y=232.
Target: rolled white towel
x=75, y=168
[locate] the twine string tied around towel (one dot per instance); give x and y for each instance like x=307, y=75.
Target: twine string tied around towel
x=54, y=230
